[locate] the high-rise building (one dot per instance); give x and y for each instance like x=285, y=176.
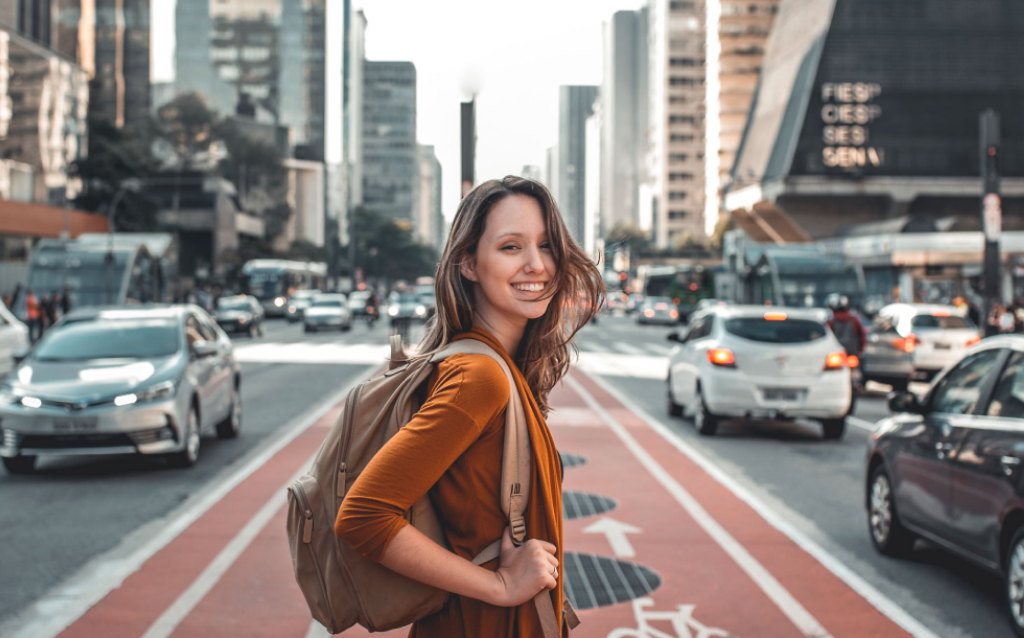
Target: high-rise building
x=109, y=39
x=592, y=183
x=624, y=105
x=532, y=171
x=575, y=105
x=429, y=227
x=676, y=141
x=390, y=165
x=743, y=30
x=551, y=170
x=353, y=109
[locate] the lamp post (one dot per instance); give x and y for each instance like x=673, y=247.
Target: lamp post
x=130, y=184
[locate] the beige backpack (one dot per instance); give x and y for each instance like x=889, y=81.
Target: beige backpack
x=341, y=586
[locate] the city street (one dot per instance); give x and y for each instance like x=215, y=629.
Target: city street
x=791, y=503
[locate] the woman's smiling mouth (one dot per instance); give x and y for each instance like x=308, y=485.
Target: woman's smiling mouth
x=530, y=287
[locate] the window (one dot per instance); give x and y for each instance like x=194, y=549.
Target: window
x=953, y=322
x=677, y=196
x=959, y=391
x=676, y=137
x=702, y=328
x=684, y=62
x=680, y=177
x=681, y=119
x=766, y=331
x=678, y=80
x=678, y=214
x=117, y=339
x=1008, y=397
x=675, y=158
x=677, y=99
x=680, y=5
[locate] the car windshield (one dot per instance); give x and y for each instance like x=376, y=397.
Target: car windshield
x=233, y=304
x=85, y=340
x=951, y=322
x=768, y=331
x=408, y=298
x=327, y=303
x=306, y=294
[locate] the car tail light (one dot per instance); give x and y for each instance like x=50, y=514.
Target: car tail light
x=674, y=314
x=973, y=341
x=852, y=361
x=906, y=344
x=835, y=361
x=774, y=316
x=648, y=313
x=722, y=357
x=940, y=313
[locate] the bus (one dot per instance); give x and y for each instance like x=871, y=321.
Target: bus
x=99, y=269
x=804, y=279
x=687, y=284
x=272, y=281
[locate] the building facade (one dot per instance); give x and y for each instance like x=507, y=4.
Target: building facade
x=854, y=126
x=624, y=104
x=676, y=142
x=390, y=161
x=430, y=227
x=575, y=105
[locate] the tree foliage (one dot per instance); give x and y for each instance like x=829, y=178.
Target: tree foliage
x=188, y=126
x=386, y=249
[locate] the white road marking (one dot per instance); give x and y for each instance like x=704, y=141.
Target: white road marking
x=615, y=531
x=625, y=365
x=657, y=350
x=168, y=621
x=625, y=348
x=67, y=602
x=861, y=423
x=773, y=589
x=312, y=353
x=880, y=601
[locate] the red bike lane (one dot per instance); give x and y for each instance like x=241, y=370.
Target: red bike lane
x=656, y=547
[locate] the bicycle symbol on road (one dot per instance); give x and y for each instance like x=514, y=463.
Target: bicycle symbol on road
x=684, y=625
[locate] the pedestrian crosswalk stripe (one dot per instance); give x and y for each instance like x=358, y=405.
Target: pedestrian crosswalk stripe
x=312, y=353
x=625, y=348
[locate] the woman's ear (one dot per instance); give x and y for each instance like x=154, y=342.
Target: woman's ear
x=468, y=267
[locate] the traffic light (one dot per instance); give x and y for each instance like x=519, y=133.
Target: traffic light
x=622, y=280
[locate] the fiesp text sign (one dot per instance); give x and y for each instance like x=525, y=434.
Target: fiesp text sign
x=847, y=113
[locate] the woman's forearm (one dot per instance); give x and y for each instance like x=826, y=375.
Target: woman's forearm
x=411, y=553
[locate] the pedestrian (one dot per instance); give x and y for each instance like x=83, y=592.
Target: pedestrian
x=65, y=301
x=511, y=276
x=33, y=316
x=44, y=315
x=1006, y=321
x=50, y=308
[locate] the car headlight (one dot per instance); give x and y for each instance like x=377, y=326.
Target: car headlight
x=242, y=320
x=158, y=391
x=393, y=311
x=31, y=402
x=279, y=301
x=421, y=310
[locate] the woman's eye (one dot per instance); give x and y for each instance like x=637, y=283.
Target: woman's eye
x=509, y=247
x=546, y=245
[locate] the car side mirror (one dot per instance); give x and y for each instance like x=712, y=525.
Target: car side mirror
x=905, y=402
x=202, y=349
x=20, y=354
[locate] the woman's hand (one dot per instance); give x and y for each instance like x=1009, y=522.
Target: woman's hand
x=524, y=570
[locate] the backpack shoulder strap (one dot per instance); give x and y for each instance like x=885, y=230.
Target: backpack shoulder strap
x=398, y=356
x=515, y=464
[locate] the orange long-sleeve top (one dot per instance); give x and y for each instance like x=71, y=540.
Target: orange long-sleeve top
x=452, y=448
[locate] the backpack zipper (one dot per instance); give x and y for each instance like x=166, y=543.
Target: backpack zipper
x=307, y=538
x=352, y=401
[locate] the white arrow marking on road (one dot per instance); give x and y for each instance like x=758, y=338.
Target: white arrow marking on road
x=616, y=532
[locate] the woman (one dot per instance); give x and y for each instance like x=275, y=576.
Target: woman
x=512, y=277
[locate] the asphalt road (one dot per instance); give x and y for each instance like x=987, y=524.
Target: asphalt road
x=818, y=486
x=73, y=510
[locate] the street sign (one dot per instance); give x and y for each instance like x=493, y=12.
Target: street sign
x=993, y=216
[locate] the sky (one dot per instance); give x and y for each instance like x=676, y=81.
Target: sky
x=513, y=55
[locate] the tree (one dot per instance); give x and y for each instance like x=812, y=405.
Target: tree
x=260, y=179
x=626, y=235
x=386, y=249
x=115, y=156
x=187, y=126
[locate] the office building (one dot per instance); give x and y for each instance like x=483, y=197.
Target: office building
x=575, y=105
x=532, y=171
x=390, y=164
x=430, y=227
x=592, y=179
x=551, y=170
x=852, y=126
x=353, y=109
x=624, y=105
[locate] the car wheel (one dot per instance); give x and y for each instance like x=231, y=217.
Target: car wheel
x=188, y=456
x=1015, y=581
x=705, y=421
x=887, y=533
x=20, y=464
x=833, y=429
x=232, y=423
x=674, y=409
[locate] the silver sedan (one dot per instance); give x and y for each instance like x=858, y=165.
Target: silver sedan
x=122, y=381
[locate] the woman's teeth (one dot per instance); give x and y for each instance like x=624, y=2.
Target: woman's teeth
x=529, y=287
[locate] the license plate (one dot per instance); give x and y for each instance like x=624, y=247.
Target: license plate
x=75, y=425
x=782, y=394
x=943, y=346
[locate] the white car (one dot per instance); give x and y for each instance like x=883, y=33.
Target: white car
x=13, y=339
x=753, y=361
x=327, y=311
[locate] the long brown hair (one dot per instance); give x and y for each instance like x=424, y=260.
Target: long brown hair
x=543, y=356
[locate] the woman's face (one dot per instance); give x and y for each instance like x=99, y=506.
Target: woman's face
x=514, y=267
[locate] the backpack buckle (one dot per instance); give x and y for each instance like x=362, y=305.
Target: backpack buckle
x=517, y=530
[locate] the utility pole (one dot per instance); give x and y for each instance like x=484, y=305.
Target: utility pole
x=991, y=207
x=468, y=113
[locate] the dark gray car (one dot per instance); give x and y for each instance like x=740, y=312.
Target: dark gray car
x=948, y=467
x=122, y=381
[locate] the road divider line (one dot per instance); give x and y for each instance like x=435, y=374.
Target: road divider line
x=855, y=581
x=201, y=586
x=67, y=602
x=772, y=588
x=861, y=423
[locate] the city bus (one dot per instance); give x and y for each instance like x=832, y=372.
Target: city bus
x=687, y=283
x=99, y=269
x=272, y=281
x=804, y=279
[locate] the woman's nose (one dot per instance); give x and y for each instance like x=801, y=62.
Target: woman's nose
x=534, y=261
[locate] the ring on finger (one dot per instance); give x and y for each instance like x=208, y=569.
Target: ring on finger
x=554, y=572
